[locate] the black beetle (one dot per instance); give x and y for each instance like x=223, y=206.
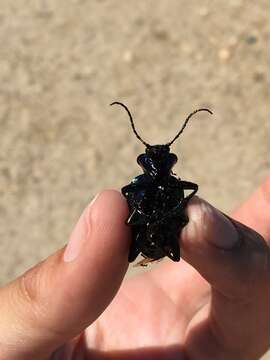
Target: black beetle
x=157, y=201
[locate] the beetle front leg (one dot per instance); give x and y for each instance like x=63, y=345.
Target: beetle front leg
x=134, y=194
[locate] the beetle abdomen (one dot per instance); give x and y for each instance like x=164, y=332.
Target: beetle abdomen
x=157, y=215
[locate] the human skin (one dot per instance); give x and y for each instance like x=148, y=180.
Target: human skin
x=213, y=304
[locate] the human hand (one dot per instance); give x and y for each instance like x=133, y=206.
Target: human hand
x=169, y=312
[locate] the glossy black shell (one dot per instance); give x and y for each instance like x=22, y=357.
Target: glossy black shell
x=157, y=203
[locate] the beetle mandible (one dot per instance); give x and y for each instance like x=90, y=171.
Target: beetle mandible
x=157, y=201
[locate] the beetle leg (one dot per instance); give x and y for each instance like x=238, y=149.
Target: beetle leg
x=178, y=210
x=136, y=188
x=134, y=249
x=184, y=219
x=134, y=193
x=144, y=262
x=173, y=252
x=187, y=185
x=137, y=217
x=175, y=212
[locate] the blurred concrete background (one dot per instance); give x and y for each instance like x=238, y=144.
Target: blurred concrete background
x=61, y=64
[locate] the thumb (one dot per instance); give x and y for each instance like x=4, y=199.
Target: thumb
x=234, y=259
x=58, y=298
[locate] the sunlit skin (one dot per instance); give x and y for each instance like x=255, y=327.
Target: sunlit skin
x=166, y=312
x=170, y=312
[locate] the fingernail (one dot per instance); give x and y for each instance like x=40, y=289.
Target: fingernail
x=209, y=223
x=79, y=235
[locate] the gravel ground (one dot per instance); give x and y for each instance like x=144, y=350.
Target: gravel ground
x=62, y=63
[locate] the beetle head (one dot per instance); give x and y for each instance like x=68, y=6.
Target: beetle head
x=157, y=151
x=157, y=161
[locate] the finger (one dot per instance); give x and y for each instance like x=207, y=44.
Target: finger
x=58, y=298
x=233, y=258
x=183, y=285
x=255, y=211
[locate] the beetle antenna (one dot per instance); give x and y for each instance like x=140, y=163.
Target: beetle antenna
x=185, y=124
x=132, y=122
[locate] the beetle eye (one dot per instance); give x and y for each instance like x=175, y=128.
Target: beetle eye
x=167, y=148
x=173, y=158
